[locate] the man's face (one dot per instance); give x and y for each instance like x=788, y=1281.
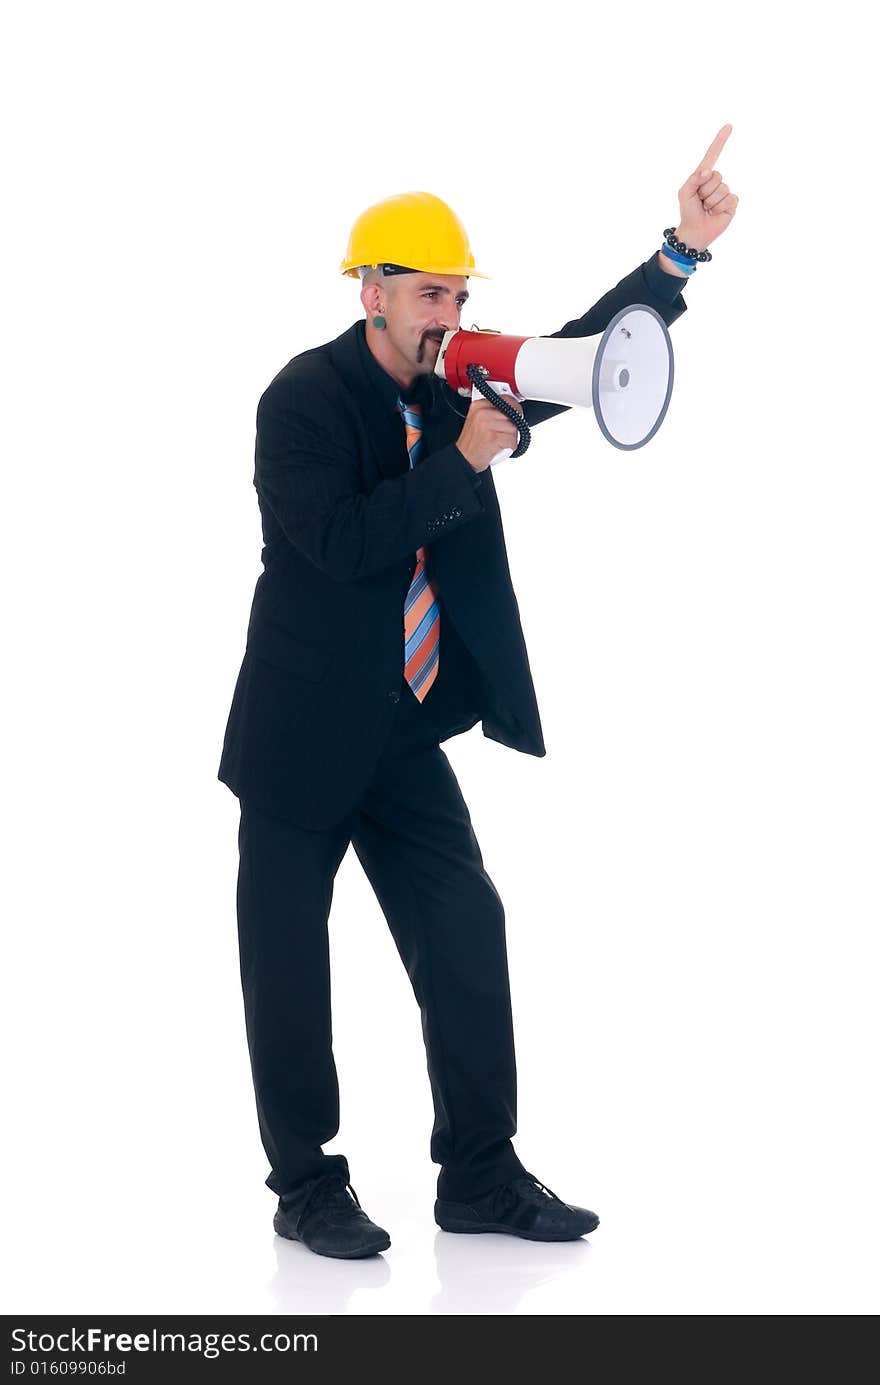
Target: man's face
x=419, y=310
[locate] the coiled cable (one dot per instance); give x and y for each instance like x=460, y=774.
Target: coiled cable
x=477, y=376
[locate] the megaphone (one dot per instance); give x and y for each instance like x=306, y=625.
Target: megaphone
x=625, y=375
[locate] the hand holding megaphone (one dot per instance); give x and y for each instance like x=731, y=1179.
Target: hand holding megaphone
x=487, y=436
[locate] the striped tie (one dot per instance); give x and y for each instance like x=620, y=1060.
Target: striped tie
x=421, y=612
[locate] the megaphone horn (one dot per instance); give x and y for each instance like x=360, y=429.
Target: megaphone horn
x=625, y=375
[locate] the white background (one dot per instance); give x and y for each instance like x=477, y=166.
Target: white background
x=689, y=876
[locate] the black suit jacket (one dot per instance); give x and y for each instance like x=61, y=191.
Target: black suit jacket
x=343, y=514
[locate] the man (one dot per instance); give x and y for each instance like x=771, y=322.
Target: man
x=385, y=622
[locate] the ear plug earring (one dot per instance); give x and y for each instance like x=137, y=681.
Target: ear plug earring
x=379, y=322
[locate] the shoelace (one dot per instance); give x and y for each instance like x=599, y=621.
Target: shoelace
x=526, y=1189
x=331, y=1190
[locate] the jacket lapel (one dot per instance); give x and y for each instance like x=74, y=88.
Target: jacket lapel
x=442, y=421
x=446, y=416
x=385, y=433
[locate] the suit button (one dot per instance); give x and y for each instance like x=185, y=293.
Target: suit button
x=394, y=695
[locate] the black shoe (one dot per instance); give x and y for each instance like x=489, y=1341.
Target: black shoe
x=523, y=1207
x=330, y=1221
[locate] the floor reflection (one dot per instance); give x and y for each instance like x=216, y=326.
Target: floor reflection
x=485, y=1274
x=307, y=1283
x=492, y=1273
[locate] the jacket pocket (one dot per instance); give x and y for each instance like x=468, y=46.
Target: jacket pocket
x=274, y=645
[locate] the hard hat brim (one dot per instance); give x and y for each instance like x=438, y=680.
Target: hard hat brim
x=467, y=271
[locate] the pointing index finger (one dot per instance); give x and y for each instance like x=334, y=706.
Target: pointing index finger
x=710, y=158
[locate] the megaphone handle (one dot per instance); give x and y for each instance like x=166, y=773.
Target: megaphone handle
x=501, y=387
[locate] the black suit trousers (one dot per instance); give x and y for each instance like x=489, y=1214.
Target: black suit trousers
x=412, y=833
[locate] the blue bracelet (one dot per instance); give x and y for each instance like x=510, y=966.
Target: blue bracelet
x=687, y=265
x=681, y=254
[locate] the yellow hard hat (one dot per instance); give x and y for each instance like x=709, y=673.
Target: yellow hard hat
x=414, y=230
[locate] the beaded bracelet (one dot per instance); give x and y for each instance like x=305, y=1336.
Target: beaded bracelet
x=681, y=254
